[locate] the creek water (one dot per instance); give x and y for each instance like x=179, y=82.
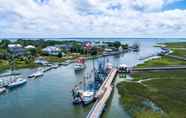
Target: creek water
x=51, y=96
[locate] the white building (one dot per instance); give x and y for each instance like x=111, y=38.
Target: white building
x=52, y=50
x=30, y=47
x=16, y=49
x=15, y=46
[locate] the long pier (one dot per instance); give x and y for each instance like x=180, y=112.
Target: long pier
x=102, y=96
x=159, y=68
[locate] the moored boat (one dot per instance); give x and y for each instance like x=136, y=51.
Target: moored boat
x=91, y=84
x=87, y=97
x=17, y=82
x=55, y=66
x=36, y=74
x=2, y=90
x=80, y=64
x=84, y=97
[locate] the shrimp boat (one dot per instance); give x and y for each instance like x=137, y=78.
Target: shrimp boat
x=83, y=96
x=80, y=64
x=86, y=95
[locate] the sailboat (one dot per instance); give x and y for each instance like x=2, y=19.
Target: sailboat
x=15, y=81
x=2, y=90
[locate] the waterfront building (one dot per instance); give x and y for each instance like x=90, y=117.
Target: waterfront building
x=16, y=49
x=52, y=50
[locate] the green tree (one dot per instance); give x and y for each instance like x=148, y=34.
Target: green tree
x=4, y=43
x=60, y=54
x=117, y=44
x=32, y=51
x=94, y=51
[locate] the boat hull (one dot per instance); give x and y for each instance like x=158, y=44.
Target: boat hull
x=2, y=90
x=79, y=67
x=14, y=85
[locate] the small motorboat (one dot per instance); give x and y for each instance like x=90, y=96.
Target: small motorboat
x=2, y=90
x=78, y=67
x=36, y=74
x=17, y=82
x=55, y=66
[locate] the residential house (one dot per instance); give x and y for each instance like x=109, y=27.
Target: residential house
x=16, y=49
x=52, y=50
x=87, y=45
x=66, y=47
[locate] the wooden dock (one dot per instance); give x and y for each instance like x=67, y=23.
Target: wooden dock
x=102, y=96
x=159, y=68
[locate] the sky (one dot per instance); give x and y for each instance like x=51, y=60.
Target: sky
x=92, y=18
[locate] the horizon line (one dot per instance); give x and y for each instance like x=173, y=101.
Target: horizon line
x=92, y=37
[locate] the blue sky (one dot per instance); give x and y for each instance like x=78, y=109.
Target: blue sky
x=92, y=18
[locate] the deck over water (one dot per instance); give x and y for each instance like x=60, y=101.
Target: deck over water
x=102, y=96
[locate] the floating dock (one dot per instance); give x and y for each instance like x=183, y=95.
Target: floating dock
x=102, y=96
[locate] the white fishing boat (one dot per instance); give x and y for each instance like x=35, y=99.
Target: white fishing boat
x=85, y=97
x=36, y=74
x=2, y=90
x=17, y=82
x=80, y=64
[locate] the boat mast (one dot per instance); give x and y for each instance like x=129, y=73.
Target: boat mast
x=12, y=64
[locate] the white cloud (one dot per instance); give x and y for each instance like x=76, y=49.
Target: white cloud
x=91, y=18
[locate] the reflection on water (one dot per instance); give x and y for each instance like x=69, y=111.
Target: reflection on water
x=51, y=97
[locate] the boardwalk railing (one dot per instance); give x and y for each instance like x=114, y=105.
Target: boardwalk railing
x=159, y=68
x=102, y=96
x=98, y=107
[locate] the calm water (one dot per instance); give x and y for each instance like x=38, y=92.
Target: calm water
x=51, y=97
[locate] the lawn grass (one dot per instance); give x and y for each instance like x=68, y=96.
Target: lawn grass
x=4, y=64
x=62, y=59
x=167, y=90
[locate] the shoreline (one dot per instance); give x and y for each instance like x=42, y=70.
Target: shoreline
x=147, y=85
